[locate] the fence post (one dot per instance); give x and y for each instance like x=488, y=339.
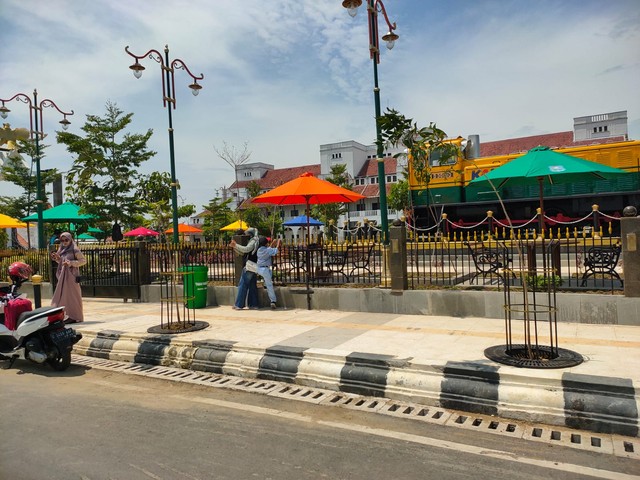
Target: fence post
x=596, y=221
x=630, y=235
x=490, y=222
x=398, y=256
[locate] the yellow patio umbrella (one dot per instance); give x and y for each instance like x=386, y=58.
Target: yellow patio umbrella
x=235, y=226
x=8, y=222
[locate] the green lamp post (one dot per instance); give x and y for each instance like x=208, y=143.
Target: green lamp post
x=373, y=7
x=36, y=131
x=168, y=100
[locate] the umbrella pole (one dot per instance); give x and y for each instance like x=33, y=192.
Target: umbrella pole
x=541, y=214
x=308, y=259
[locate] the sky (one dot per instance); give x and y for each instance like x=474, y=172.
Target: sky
x=286, y=76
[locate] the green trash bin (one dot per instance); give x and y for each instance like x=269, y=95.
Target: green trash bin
x=195, y=285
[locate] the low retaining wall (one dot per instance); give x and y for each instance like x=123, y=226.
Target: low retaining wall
x=572, y=307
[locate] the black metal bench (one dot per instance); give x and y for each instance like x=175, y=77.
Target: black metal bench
x=489, y=261
x=602, y=261
x=353, y=257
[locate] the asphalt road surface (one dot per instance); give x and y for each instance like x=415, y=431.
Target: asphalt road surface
x=91, y=424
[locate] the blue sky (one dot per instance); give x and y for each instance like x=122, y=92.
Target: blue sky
x=287, y=76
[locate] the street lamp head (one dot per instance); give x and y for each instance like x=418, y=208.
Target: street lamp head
x=195, y=88
x=352, y=6
x=4, y=111
x=65, y=123
x=137, y=69
x=390, y=38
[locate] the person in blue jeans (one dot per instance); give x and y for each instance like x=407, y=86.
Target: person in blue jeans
x=265, y=254
x=248, y=285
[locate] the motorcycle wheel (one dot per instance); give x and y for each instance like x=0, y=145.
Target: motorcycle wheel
x=62, y=360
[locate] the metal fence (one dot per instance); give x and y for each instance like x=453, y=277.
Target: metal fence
x=581, y=260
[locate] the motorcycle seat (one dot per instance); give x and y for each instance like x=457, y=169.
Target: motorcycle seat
x=26, y=315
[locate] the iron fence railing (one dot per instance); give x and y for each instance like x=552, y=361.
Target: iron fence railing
x=580, y=260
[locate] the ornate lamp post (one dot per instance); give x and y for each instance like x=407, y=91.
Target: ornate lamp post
x=36, y=131
x=168, y=100
x=373, y=7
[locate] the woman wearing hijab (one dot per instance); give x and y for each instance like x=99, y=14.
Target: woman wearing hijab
x=68, y=293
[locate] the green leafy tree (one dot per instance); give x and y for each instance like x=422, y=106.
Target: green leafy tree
x=253, y=189
x=154, y=196
x=217, y=215
x=399, y=196
x=105, y=174
x=421, y=143
x=15, y=171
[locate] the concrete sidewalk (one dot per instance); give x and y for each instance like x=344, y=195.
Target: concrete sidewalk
x=430, y=360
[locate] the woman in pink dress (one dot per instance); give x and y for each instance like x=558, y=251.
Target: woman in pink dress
x=68, y=294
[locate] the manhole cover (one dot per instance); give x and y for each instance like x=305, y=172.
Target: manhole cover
x=535, y=357
x=178, y=327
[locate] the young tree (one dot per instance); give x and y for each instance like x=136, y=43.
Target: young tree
x=217, y=215
x=421, y=143
x=14, y=170
x=234, y=158
x=154, y=194
x=105, y=174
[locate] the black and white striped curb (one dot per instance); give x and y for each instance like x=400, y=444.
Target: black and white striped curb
x=593, y=403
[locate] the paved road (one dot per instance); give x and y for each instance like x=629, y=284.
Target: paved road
x=90, y=424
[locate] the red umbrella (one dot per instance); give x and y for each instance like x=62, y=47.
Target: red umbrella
x=144, y=231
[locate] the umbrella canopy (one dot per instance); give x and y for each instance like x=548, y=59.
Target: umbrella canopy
x=144, y=231
x=87, y=238
x=64, y=213
x=303, y=221
x=238, y=224
x=184, y=228
x=8, y=222
x=550, y=166
x=307, y=190
x=543, y=166
x=94, y=230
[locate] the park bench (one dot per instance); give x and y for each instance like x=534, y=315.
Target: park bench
x=352, y=258
x=601, y=261
x=489, y=261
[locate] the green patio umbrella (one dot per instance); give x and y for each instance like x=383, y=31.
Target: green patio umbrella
x=87, y=238
x=65, y=213
x=542, y=166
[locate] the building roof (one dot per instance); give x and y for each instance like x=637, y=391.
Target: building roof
x=551, y=140
x=276, y=177
x=370, y=167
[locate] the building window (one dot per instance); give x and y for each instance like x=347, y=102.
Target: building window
x=606, y=128
x=294, y=213
x=375, y=206
x=360, y=207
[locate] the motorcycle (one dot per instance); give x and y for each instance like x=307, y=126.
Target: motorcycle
x=38, y=335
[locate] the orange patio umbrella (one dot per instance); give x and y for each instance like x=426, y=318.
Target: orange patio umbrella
x=184, y=228
x=307, y=190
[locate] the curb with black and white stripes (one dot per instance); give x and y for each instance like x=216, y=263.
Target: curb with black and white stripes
x=604, y=405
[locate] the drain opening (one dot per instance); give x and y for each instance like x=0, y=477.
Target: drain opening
x=628, y=447
x=575, y=438
x=537, y=432
x=493, y=425
x=555, y=435
x=595, y=442
x=477, y=422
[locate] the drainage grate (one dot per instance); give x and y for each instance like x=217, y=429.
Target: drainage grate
x=602, y=443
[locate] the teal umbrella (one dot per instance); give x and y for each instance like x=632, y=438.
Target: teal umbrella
x=65, y=213
x=542, y=166
x=87, y=238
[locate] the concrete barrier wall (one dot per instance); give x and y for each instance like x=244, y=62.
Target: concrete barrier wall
x=571, y=307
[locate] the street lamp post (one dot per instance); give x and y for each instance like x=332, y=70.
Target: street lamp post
x=36, y=131
x=373, y=7
x=168, y=100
